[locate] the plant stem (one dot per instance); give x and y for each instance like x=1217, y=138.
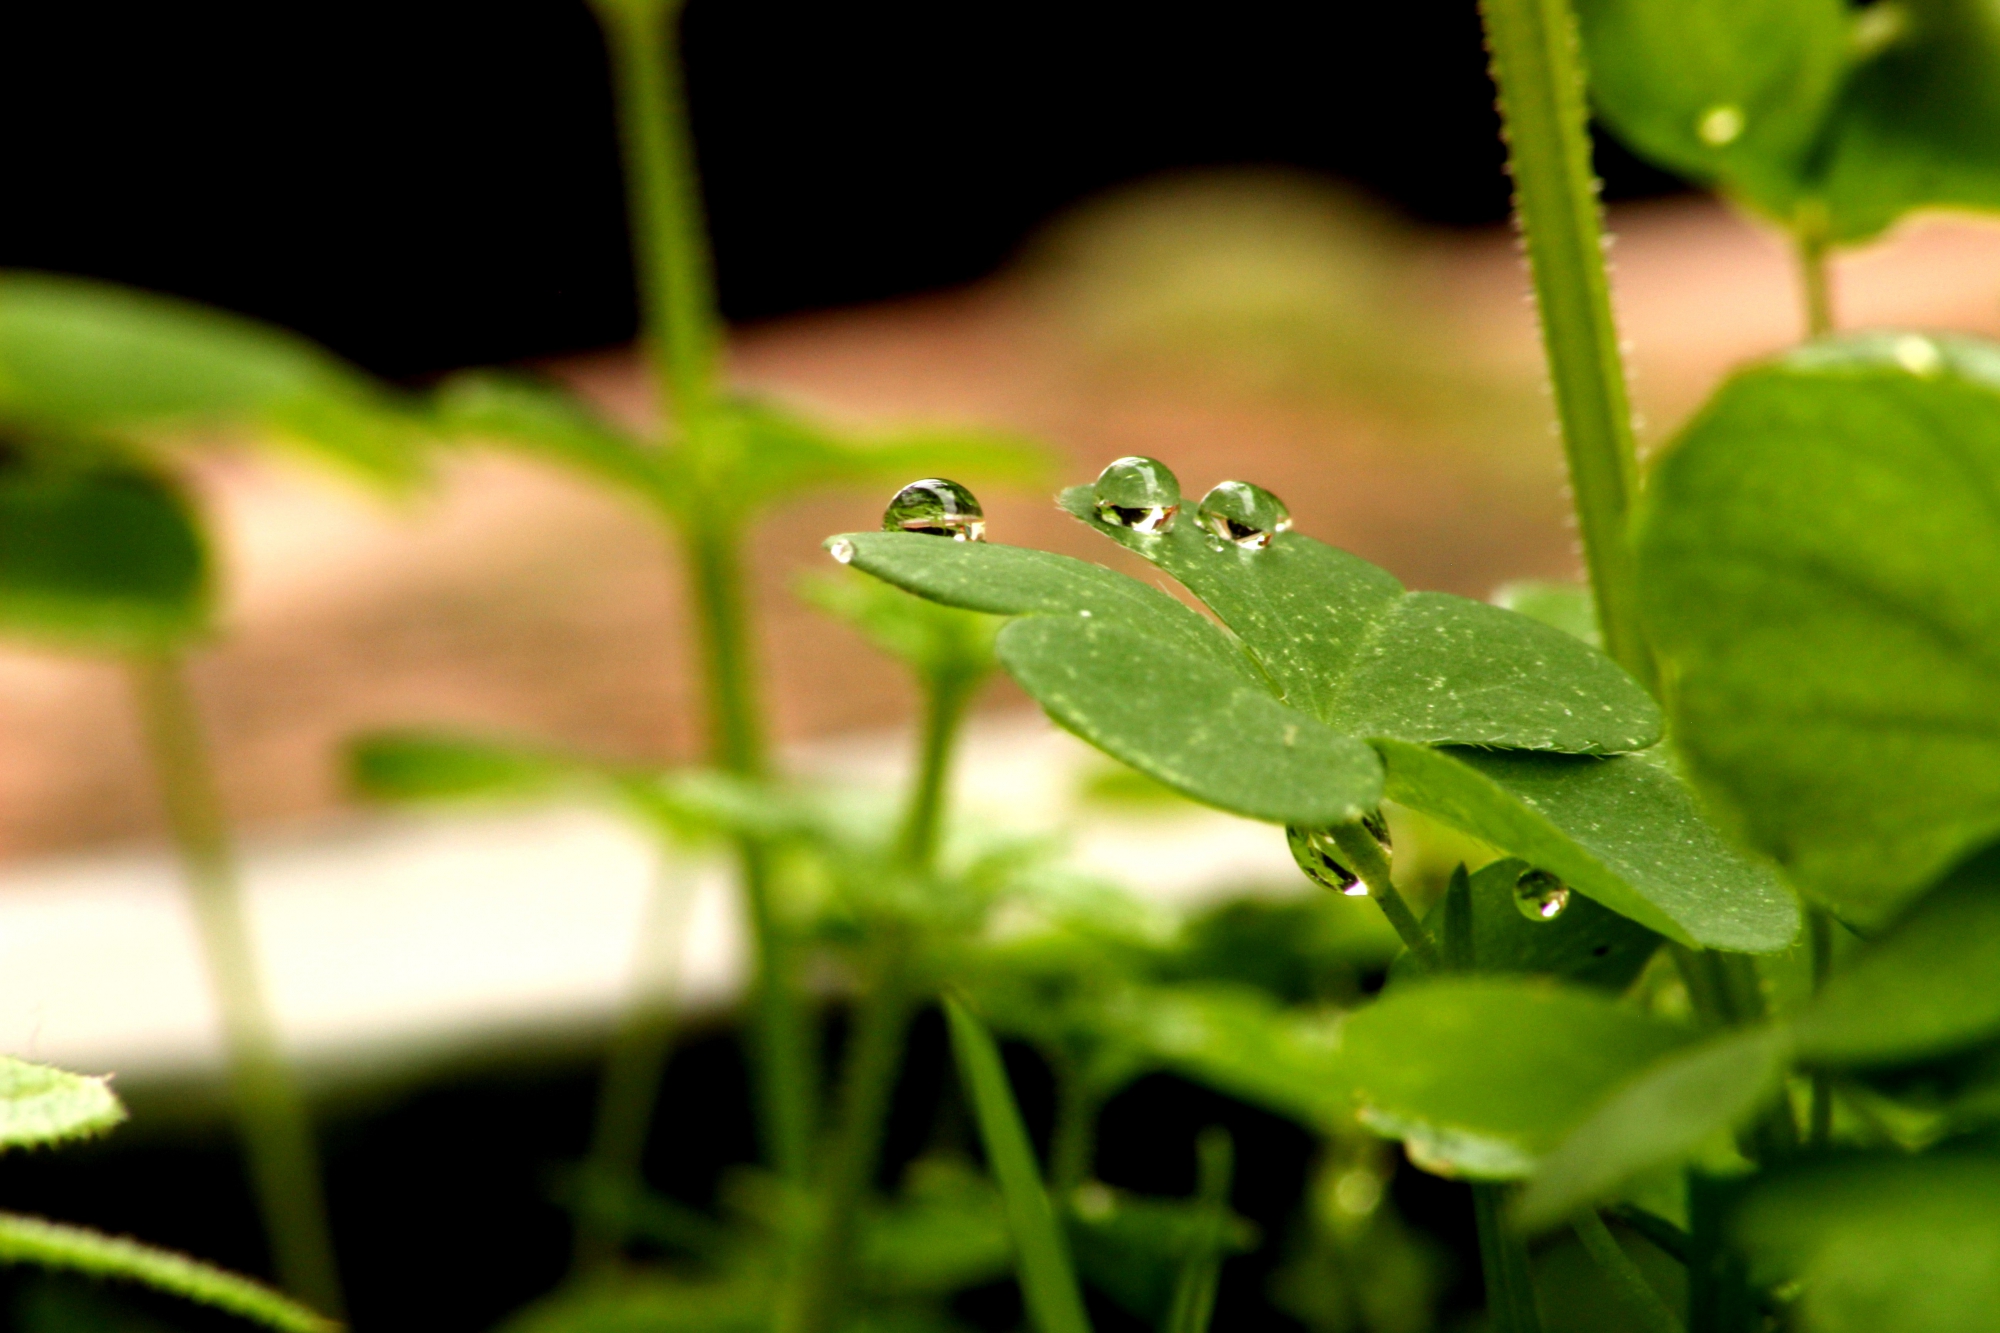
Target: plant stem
x=1503, y=1260
x=1819, y=922
x=1073, y=1144
x=874, y=1055
x=1815, y=277
x=681, y=333
x=629, y=1089
x=669, y=248
x=1193, y=1305
x=946, y=698
x=1366, y=858
x=1646, y=1304
x=1538, y=69
x=270, y=1111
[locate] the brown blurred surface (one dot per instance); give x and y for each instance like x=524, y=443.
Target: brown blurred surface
x=1384, y=381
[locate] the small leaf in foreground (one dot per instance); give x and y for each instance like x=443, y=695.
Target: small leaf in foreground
x=1482, y=1076
x=40, y=1104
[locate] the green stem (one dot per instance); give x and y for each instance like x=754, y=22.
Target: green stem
x=1193, y=1305
x=1503, y=1260
x=669, y=247
x=1366, y=858
x=1538, y=69
x=270, y=1111
x=819, y=1294
x=1819, y=923
x=946, y=698
x=1646, y=1304
x=1073, y=1144
x=629, y=1089
x=784, y=1066
x=1815, y=277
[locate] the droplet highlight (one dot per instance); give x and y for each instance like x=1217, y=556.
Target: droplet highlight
x=842, y=550
x=1720, y=126
x=1139, y=493
x=1540, y=895
x=1320, y=857
x=1243, y=515
x=936, y=507
x=1918, y=355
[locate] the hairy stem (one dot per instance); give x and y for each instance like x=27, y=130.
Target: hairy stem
x=1367, y=859
x=270, y=1111
x=1503, y=1261
x=1646, y=1304
x=1538, y=69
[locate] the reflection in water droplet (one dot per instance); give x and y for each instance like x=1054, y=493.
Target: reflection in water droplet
x=1540, y=895
x=1720, y=126
x=1142, y=494
x=936, y=508
x=1247, y=515
x=842, y=550
x=1320, y=857
x=1918, y=355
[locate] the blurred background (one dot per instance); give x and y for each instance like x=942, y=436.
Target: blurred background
x=1260, y=240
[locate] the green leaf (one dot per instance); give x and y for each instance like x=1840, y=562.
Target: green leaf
x=546, y=421
x=1660, y=1118
x=1344, y=642
x=1881, y=1244
x=1240, y=1042
x=41, y=1105
x=1048, y=1283
x=1623, y=830
x=937, y=642
x=1729, y=91
x=1174, y=718
x=32, y=1240
x=1925, y=989
x=1820, y=560
x=408, y=766
x=1481, y=1076
x=1020, y=581
x=947, y=1231
x=78, y=356
x=1586, y=944
x=1918, y=125
x=1568, y=607
x=102, y=560
x=647, y=1304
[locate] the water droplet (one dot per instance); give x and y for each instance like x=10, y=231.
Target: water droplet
x=1918, y=355
x=1320, y=857
x=1720, y=126
x=1142, y=494
x=842, y=550
x=1247, y=515
x=1540, y=895
x=936, y=508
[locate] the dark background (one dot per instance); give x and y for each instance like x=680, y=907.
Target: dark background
x=426, y=184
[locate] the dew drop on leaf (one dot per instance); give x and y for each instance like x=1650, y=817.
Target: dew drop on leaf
x=842, y=550
x=1249, y=516
x=937, y=508
x=1139, y=493
x=1540, y=895
x=1320, y=857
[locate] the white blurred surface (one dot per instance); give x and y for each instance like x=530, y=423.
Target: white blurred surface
x=435, y=930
